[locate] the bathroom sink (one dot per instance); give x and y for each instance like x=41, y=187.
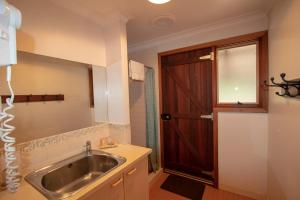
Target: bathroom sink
x=65, y=178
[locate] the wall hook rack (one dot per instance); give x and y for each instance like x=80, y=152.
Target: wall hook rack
x=290, y=88
x=34, y=98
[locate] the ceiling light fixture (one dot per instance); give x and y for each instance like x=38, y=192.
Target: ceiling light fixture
x=159, y=1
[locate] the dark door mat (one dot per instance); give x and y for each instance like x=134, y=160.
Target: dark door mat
x=183, y=186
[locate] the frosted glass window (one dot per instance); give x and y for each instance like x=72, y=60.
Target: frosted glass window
x=237, y=74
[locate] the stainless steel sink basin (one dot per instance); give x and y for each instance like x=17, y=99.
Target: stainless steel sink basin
x=65, y=178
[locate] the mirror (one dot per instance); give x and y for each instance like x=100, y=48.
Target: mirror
x=238, y=74
x=41, y=75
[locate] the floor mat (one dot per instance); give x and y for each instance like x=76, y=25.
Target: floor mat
x=183, y=186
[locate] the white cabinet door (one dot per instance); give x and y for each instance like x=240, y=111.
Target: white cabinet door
x=136, y=181
x=112, y=190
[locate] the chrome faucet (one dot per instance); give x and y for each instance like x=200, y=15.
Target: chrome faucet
x=88, y=147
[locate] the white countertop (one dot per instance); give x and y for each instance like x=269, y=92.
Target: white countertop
x=130, y=152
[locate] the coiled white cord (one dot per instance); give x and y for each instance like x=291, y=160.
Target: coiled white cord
x=12, y=174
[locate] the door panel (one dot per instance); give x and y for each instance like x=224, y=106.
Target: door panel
x=187, y=94
x=136, y=184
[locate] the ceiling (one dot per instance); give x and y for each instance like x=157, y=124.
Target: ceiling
x=185, y=14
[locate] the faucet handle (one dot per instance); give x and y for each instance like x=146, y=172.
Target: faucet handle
x=88, y=147
x=87, y=143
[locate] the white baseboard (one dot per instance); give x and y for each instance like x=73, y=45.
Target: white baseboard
x=243, y=192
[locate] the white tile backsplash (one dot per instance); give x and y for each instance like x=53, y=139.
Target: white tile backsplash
x=120, y=133
x=38, y=153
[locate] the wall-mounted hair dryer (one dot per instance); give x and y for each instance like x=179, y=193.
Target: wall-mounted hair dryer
x=10, y=20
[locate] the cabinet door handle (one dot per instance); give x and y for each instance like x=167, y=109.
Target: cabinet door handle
x=131, y=171
x=117, y=183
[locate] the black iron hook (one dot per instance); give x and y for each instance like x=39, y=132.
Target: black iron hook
x=290, y=82
x=285, y=85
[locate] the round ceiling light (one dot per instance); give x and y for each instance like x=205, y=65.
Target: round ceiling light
x=159, y=1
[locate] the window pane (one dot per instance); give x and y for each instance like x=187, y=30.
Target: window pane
x=237, y=74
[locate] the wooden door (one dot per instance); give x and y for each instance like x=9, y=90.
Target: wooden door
x=187, y=95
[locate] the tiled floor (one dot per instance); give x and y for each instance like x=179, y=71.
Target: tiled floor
x=210, y=193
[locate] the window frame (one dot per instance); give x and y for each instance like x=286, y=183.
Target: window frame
x=261, y=39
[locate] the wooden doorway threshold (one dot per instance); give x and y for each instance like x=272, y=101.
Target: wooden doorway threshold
x=203, y=180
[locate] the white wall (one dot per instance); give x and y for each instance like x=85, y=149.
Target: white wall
x=117, y=72
x=243, y=153
x=56, y=32
x=284, y=132
x=117, y=78
x=147, y=54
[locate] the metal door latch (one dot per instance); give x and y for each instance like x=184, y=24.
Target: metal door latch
x=211, y=116
x=210, y=56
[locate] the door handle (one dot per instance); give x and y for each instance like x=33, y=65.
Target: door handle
x=165, y=116
x=117, y=183
x=211, y=116
x=131, y=171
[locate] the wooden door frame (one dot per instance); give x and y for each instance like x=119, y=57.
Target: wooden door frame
x=223, y=42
